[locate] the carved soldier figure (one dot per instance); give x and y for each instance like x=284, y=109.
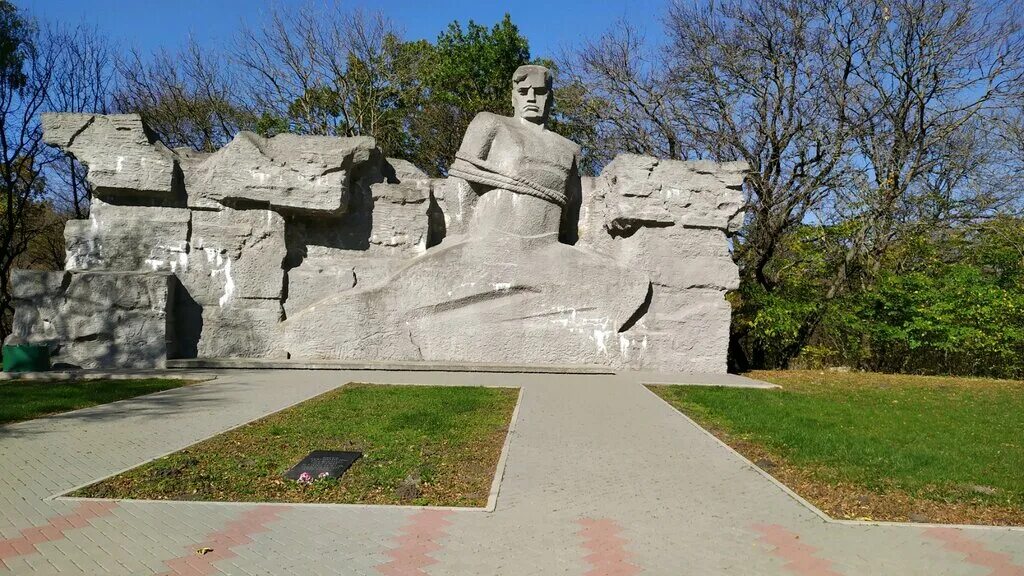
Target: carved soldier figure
x=520, y=156
x=507, y=288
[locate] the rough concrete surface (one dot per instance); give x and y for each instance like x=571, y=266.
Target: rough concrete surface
x=96, y=319
x=287, y=171
x=672, y=218
x=122, y=157
x=114, y=237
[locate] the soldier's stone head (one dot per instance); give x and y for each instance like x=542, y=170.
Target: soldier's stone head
x=531, y=93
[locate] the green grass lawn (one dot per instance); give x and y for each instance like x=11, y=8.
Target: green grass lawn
x=956, y=443
x=430, y=445
x=27, y=399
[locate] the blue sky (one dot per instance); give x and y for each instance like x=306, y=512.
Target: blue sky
x=549, y=25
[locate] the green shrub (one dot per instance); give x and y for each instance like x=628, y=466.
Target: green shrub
x=947, y=301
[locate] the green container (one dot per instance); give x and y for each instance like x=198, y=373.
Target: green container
x=26, y=358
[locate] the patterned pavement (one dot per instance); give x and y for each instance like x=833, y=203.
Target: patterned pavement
x=601, y=478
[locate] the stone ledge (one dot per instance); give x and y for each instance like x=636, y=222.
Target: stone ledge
x=398, y=366
x=100, y=374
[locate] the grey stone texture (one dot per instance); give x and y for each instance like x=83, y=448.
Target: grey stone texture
x=321, y=248
x=386, y=225
x=122, y=156
x=456, y=199
x=234, y=282
x=119, y=237
x=235, y=255
x=671, y=219
x=510, y=154
x=402, y=211
x=484, y=297
x=504, y=291
x=96, y=319
x=287, y=171
x=399, y=171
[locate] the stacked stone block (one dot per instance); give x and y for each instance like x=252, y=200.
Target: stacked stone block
x=671, y=220
x=96, y=319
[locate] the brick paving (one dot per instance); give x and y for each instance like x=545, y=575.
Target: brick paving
x=199, y=559
x=608, y=555
x=800, y=558
x=601, y=478
x=421, y=537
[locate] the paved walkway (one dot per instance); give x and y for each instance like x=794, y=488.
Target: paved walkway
x=601, y=478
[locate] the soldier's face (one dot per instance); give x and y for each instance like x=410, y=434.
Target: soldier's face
x=531, y=98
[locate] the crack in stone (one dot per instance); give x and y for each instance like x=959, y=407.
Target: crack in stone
x=71, y=140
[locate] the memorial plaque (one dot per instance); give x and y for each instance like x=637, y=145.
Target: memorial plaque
x=319, y=462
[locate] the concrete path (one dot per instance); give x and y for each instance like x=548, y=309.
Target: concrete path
x=601, y=478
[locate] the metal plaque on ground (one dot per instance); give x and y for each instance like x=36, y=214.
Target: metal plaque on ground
x=323, y=463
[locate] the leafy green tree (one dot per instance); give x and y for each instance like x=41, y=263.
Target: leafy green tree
x=951, y=319
x=947, y=300
x=13, y=32
x=468, y=71
x=386, y=88
x=472, y=69
x=326, y=71
x=998, y=248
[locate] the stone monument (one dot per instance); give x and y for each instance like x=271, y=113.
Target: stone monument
x=311, y=247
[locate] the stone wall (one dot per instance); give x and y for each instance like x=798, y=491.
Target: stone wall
x=96, y=319
x=188, y=254
x=671, y=220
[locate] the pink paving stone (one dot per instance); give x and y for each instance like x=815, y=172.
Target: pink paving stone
x=50, y=532
x=60, y=523
x=237, y=532
x=417, y=540
x=53, y=530
x=974, y=552
x=24, y=546
x=608, y=555
x=801, y=558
